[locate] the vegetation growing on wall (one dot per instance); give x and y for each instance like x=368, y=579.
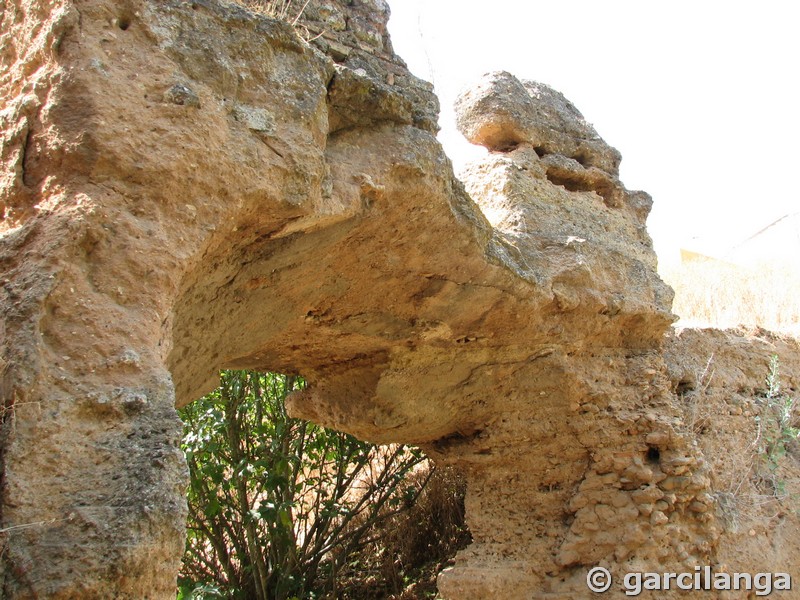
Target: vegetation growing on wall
x=777, y=430
x=288, y=10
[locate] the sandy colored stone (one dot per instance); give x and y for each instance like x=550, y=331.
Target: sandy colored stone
x=501, y=112
x=187, y=187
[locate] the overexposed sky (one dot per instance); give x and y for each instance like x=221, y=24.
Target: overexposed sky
x=700, y=97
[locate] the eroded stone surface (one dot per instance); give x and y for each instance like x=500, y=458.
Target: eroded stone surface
x=500, y=112
x=187, y=186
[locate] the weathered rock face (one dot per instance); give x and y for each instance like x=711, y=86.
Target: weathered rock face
x=187, y=186
x=501, y=112
x=720, y=382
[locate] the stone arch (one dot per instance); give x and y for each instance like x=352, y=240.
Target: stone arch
x=188, y=187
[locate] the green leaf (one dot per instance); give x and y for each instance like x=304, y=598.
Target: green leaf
x=213, y=508
x=263, y=459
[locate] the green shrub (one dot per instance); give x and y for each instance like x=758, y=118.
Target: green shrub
x=279, y=506
x=776, y=430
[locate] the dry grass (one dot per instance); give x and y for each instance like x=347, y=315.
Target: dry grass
x=749, y=493
x=756, y=472
x=718, y=294
x=754, y=453
x=288, y=10
x=409, y=551
x=752, y=493
x=697, y=411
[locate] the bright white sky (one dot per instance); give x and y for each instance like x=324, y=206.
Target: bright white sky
x=701, y=96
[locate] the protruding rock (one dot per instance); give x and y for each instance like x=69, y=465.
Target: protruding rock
x=182, y=95
x=501, y=112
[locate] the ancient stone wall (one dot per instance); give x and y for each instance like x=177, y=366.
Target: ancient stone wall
x=189, y=186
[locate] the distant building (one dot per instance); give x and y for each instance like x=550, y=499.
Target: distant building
x=778, y=243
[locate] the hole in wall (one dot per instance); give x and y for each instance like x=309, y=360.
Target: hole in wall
x=508, y=146
x=547, y=488
x=582, y=159
x=576, y=181
x=653, y=455
x=570, y=181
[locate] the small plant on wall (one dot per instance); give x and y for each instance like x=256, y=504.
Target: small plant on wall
x=777, y=432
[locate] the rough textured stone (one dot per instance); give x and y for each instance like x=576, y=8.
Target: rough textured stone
x=188, y=186
x=500, y=112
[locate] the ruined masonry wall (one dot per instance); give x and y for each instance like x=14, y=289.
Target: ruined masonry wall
x=189, y=186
